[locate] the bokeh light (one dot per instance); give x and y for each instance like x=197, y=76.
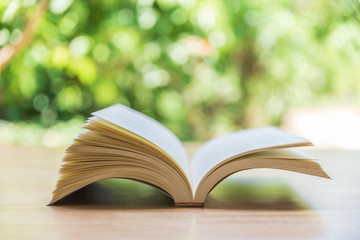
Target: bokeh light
x=202, y=68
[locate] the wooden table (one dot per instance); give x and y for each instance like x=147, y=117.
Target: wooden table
x=252, y=204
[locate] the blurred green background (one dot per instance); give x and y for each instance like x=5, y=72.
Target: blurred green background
x=201, y=68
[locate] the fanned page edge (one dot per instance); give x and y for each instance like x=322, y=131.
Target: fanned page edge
x=129, y=119
x=134, y=118
x=60, y=193
x=224, y=148
x=307, y=165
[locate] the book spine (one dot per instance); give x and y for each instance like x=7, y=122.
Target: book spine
x=189, y=204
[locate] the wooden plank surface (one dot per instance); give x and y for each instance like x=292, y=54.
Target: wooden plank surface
x=253, y=204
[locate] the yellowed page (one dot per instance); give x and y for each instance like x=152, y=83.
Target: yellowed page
x=148, y=129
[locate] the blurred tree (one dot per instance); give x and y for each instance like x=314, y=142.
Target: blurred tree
x=200, y=67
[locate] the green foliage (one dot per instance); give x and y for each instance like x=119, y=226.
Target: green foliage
x=200, y=67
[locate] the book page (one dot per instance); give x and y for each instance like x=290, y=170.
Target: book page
x=148, y=129
x=239, y=143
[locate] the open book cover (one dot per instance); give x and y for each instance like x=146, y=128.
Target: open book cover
x=119, y=142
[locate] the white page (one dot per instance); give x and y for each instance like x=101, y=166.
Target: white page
x=148, y=129
x=234, y=144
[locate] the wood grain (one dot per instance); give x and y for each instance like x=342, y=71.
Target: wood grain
x=253, y=204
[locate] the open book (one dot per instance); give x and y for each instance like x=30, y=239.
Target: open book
x=119, y=142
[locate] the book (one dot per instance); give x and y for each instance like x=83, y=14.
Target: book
x=119, y=142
